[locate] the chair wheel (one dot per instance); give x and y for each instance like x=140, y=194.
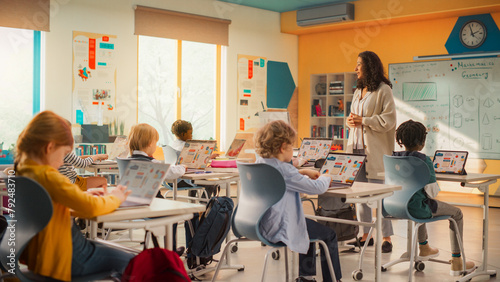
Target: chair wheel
x=383, y=269
x=234, y=248
x=275, y=255
x=262, y=244
x=357, y=275
x=419, y=266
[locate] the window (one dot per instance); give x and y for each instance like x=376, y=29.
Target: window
x=19, y=81
x=177, y=80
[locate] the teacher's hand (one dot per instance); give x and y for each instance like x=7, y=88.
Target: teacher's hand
x=355, y=120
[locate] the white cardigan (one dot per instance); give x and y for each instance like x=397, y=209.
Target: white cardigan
x=379, y=128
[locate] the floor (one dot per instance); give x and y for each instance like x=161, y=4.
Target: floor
x=251, y=254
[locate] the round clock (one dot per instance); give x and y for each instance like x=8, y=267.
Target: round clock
x=473, y=34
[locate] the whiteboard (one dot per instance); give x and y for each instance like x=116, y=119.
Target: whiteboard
x=458, y=101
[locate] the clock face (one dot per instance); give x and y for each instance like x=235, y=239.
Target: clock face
x=473, y=34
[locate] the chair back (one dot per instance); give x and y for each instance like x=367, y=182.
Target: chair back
x=412, y=174
x=32, y=211
x=122, y=165
x=170, y=155
x=262, y=186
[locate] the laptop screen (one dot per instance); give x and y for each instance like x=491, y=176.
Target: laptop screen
x=450, y=161
x=235, y=148
x=196, y=153
x=313, y=149
x=143, y=178
x=343, y=167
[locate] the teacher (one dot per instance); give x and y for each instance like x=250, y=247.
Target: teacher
x=372, y=124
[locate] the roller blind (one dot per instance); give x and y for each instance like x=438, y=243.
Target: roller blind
x=26, y=14
x=181, y=26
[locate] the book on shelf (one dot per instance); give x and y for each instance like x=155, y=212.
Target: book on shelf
x=336, y=131
x=88, y=149
x=337, y=147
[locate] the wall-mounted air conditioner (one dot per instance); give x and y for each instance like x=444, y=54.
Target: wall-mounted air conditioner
x=325, y=14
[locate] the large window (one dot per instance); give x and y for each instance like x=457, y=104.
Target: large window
x=19, y=81
x=177, y=80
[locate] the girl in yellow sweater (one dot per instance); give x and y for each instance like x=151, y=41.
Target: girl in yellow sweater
x=60, y=251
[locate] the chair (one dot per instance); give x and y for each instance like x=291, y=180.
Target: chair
x=412, y=174
x=262, y=186
x=31, y=219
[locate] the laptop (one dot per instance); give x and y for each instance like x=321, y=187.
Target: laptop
x=313, y=149
x=235, y=149
x=344, y=168
x=196, y=154
x=144, y=180
x=450, y=161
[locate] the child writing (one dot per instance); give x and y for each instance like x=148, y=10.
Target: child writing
x=411, y=134
x=60, y=251
x=285, y=221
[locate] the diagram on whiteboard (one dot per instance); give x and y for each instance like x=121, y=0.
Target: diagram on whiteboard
x=458, y=101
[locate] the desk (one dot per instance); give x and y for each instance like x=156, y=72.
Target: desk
x=105, y=167
x=362, y=192
x=158, y=208
x=221, y=178
x=482, y=183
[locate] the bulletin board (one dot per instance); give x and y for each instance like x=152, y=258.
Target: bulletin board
x=94, y=77
x=252, y=87
x=458, y=101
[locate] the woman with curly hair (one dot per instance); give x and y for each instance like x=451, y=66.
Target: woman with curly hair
x=372, y=123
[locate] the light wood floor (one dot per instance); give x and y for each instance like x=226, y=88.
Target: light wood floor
x=251, y=254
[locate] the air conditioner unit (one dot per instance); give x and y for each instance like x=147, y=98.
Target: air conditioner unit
x=325, y=14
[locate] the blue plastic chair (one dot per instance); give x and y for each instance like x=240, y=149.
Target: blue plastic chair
x=33, y=211
x=262, y=186
x=412, y=174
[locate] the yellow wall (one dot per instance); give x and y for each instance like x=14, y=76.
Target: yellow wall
x=395, y=40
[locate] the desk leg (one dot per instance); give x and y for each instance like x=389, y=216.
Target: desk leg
x=93, y=229
x=482, y=269
x=378, y=243
x=175, y=190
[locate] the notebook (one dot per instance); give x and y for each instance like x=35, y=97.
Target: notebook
x=450, y=161
x=144, y=180
x=313, y=149
x=196, y=154
x=235, y=149
x=344, y=168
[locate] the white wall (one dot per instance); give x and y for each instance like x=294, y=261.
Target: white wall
x=252, y=32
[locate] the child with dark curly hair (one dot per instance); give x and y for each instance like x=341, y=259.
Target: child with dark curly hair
x=411, y=134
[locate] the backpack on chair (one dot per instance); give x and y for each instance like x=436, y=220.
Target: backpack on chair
x=330, y=206
x=156, y=264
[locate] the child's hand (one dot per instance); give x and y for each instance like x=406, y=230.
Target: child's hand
x=214, y=155
x=298, y=162
x=99, y=157
x=313, y=174
x=120, y=192
x=327, y=175
x=96, y=192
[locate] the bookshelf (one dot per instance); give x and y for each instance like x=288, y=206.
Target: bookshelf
x=331, y=97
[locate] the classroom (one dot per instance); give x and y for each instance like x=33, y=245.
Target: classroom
x=229, y=67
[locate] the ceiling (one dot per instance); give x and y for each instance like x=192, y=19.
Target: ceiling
x=284, y=5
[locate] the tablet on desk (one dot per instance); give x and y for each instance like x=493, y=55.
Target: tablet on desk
x=452, y=162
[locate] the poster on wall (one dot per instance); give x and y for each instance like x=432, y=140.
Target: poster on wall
x=252, y=85
x=94, y=77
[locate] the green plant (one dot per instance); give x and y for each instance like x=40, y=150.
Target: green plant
x=122, y=127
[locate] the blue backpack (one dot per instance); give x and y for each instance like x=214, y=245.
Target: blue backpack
x=214, y=225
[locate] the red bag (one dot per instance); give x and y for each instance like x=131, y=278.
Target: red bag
x=156, y=264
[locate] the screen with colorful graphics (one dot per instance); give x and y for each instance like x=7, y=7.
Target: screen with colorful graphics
x=196, y=153
x=450, y=161
x=343, y=168
x=235, y=148
x=313, y=149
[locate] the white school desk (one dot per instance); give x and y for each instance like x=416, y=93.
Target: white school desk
x=482, y=183
x=363, y=192
x=111, y=167
x=158, y=208
x=222, y=178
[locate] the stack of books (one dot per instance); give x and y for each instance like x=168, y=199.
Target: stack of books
x=336, y=87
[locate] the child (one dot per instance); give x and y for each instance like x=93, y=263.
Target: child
x=71, y=161
x=285, y=221
x=411, y=134
x=183, y=130
x=60, y=251
x=142, y=144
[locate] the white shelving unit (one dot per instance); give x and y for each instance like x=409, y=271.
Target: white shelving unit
x=331, y=98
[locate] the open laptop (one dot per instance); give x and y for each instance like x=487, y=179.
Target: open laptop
x=344, y=168
x=313, y=149
x=144, y=180
x=235, y=149
x=450, y=161
x=196, y=154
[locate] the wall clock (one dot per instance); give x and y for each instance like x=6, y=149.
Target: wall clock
x=473, y=34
